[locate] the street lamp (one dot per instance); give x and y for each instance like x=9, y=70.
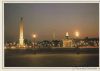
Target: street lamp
x=77, y=34
x=34, y=37
x=77, y=46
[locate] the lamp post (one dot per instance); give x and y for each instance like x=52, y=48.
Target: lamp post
x=34, y=37
x=77, y=46
x=77, y=36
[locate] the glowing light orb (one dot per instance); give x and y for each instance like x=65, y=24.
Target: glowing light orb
x=77, y=34
x=34, y=35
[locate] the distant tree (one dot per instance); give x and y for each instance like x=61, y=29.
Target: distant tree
x=56, y=43
x=28, y=42
x=45, y=43
x=86, y=39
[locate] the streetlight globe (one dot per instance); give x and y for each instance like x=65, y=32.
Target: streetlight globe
x=34, y=35
x=77, y=34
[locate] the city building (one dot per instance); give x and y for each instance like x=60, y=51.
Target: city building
x=67, y=42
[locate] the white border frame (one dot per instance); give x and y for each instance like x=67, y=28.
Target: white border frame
x=93, y=68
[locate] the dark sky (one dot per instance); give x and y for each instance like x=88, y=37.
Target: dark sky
x=46, y=18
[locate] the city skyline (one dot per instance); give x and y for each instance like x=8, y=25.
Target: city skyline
x=42, y=19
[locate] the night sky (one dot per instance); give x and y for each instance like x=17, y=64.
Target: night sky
x=44, y=19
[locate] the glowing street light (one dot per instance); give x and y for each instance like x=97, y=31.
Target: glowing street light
x=34, y=37
x=77, y=34
x=77, y=45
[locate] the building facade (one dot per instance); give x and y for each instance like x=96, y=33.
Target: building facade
x=67, y=42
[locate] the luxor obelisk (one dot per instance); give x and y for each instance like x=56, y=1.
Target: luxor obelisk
x=21, y=38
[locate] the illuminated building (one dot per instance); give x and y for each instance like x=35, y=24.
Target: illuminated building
x=67, y=42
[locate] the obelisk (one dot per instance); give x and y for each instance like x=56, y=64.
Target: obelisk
x=21, y=38
x=53, y=36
